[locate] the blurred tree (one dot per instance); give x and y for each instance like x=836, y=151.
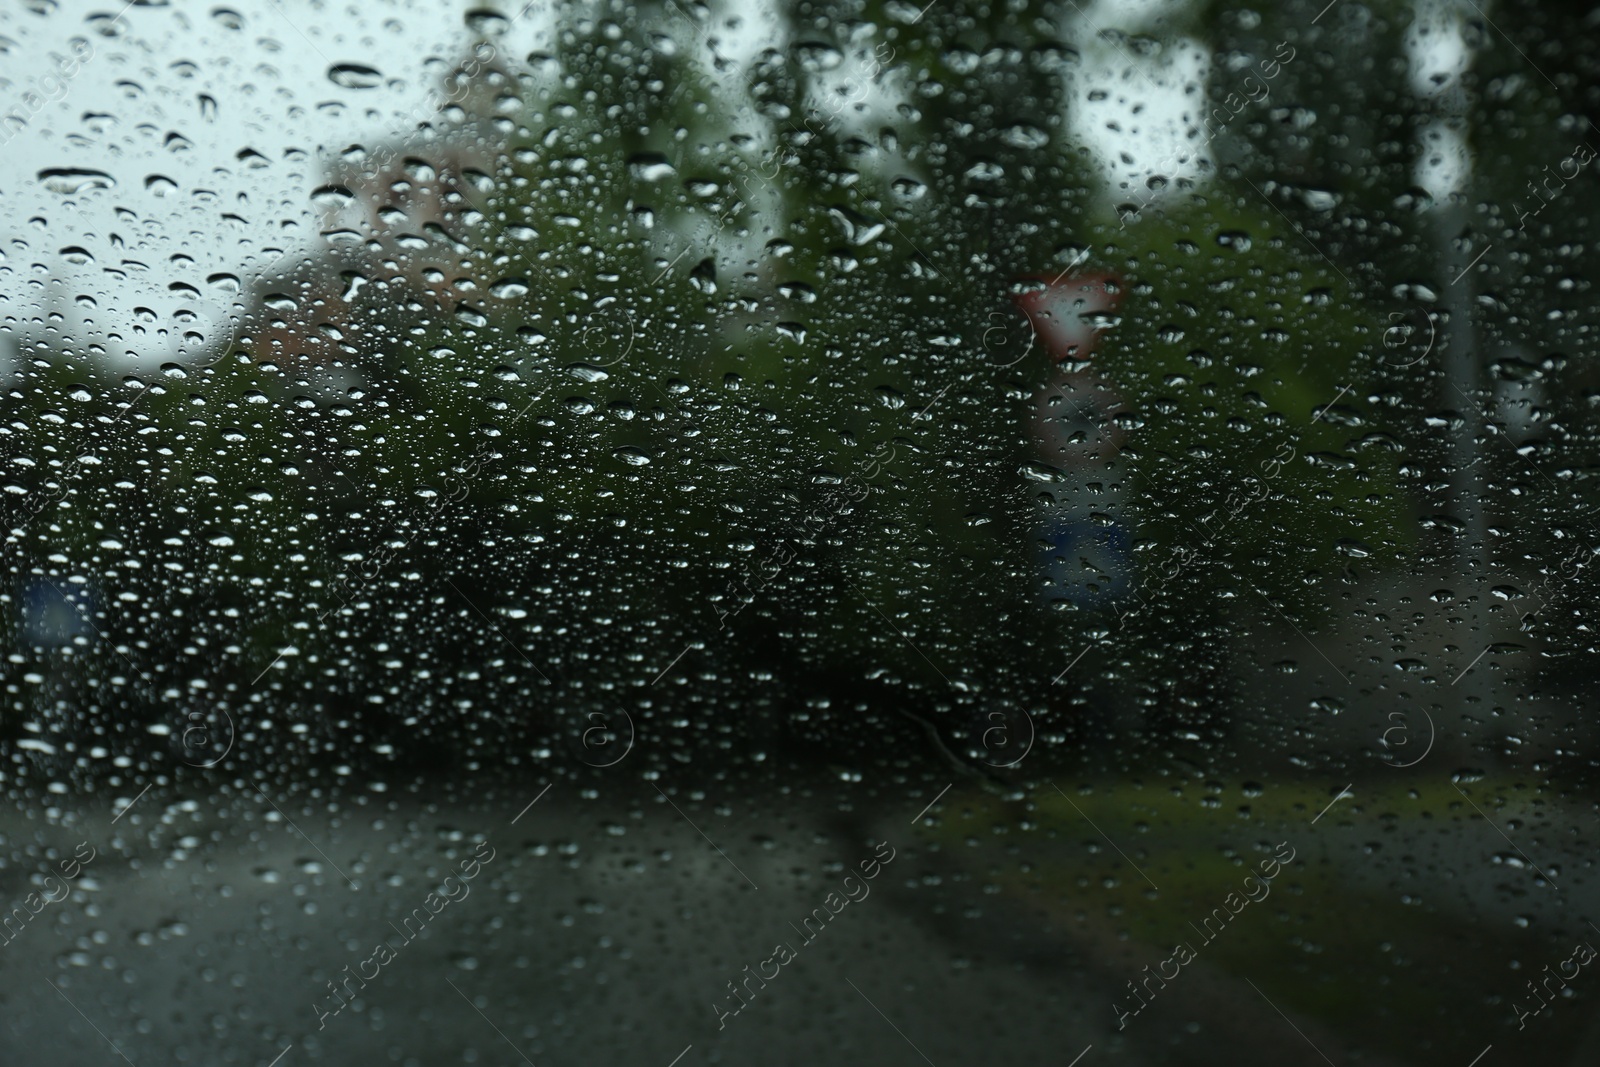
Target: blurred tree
x=594, y=364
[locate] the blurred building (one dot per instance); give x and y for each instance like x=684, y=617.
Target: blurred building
x=394, y=215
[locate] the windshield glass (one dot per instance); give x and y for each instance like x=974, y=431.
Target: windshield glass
x=676, y=533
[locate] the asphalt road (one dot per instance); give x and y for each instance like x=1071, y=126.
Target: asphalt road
x=603, y=931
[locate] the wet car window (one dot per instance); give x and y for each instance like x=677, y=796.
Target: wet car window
x=835, y=532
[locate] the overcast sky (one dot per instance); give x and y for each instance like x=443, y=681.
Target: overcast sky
x=163, y=109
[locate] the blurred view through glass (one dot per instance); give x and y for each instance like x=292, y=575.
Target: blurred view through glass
x=833, y=532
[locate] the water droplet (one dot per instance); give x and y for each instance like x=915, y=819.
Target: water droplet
x=486, y=22
x=69, y=180
x=509, y=288
x=634, y=457
x=354, y=76
x=651, y=167
x=331, y=196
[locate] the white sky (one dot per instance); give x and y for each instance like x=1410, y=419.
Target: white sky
x=184, y=208
x=1436, y=47
x=1139, y=115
